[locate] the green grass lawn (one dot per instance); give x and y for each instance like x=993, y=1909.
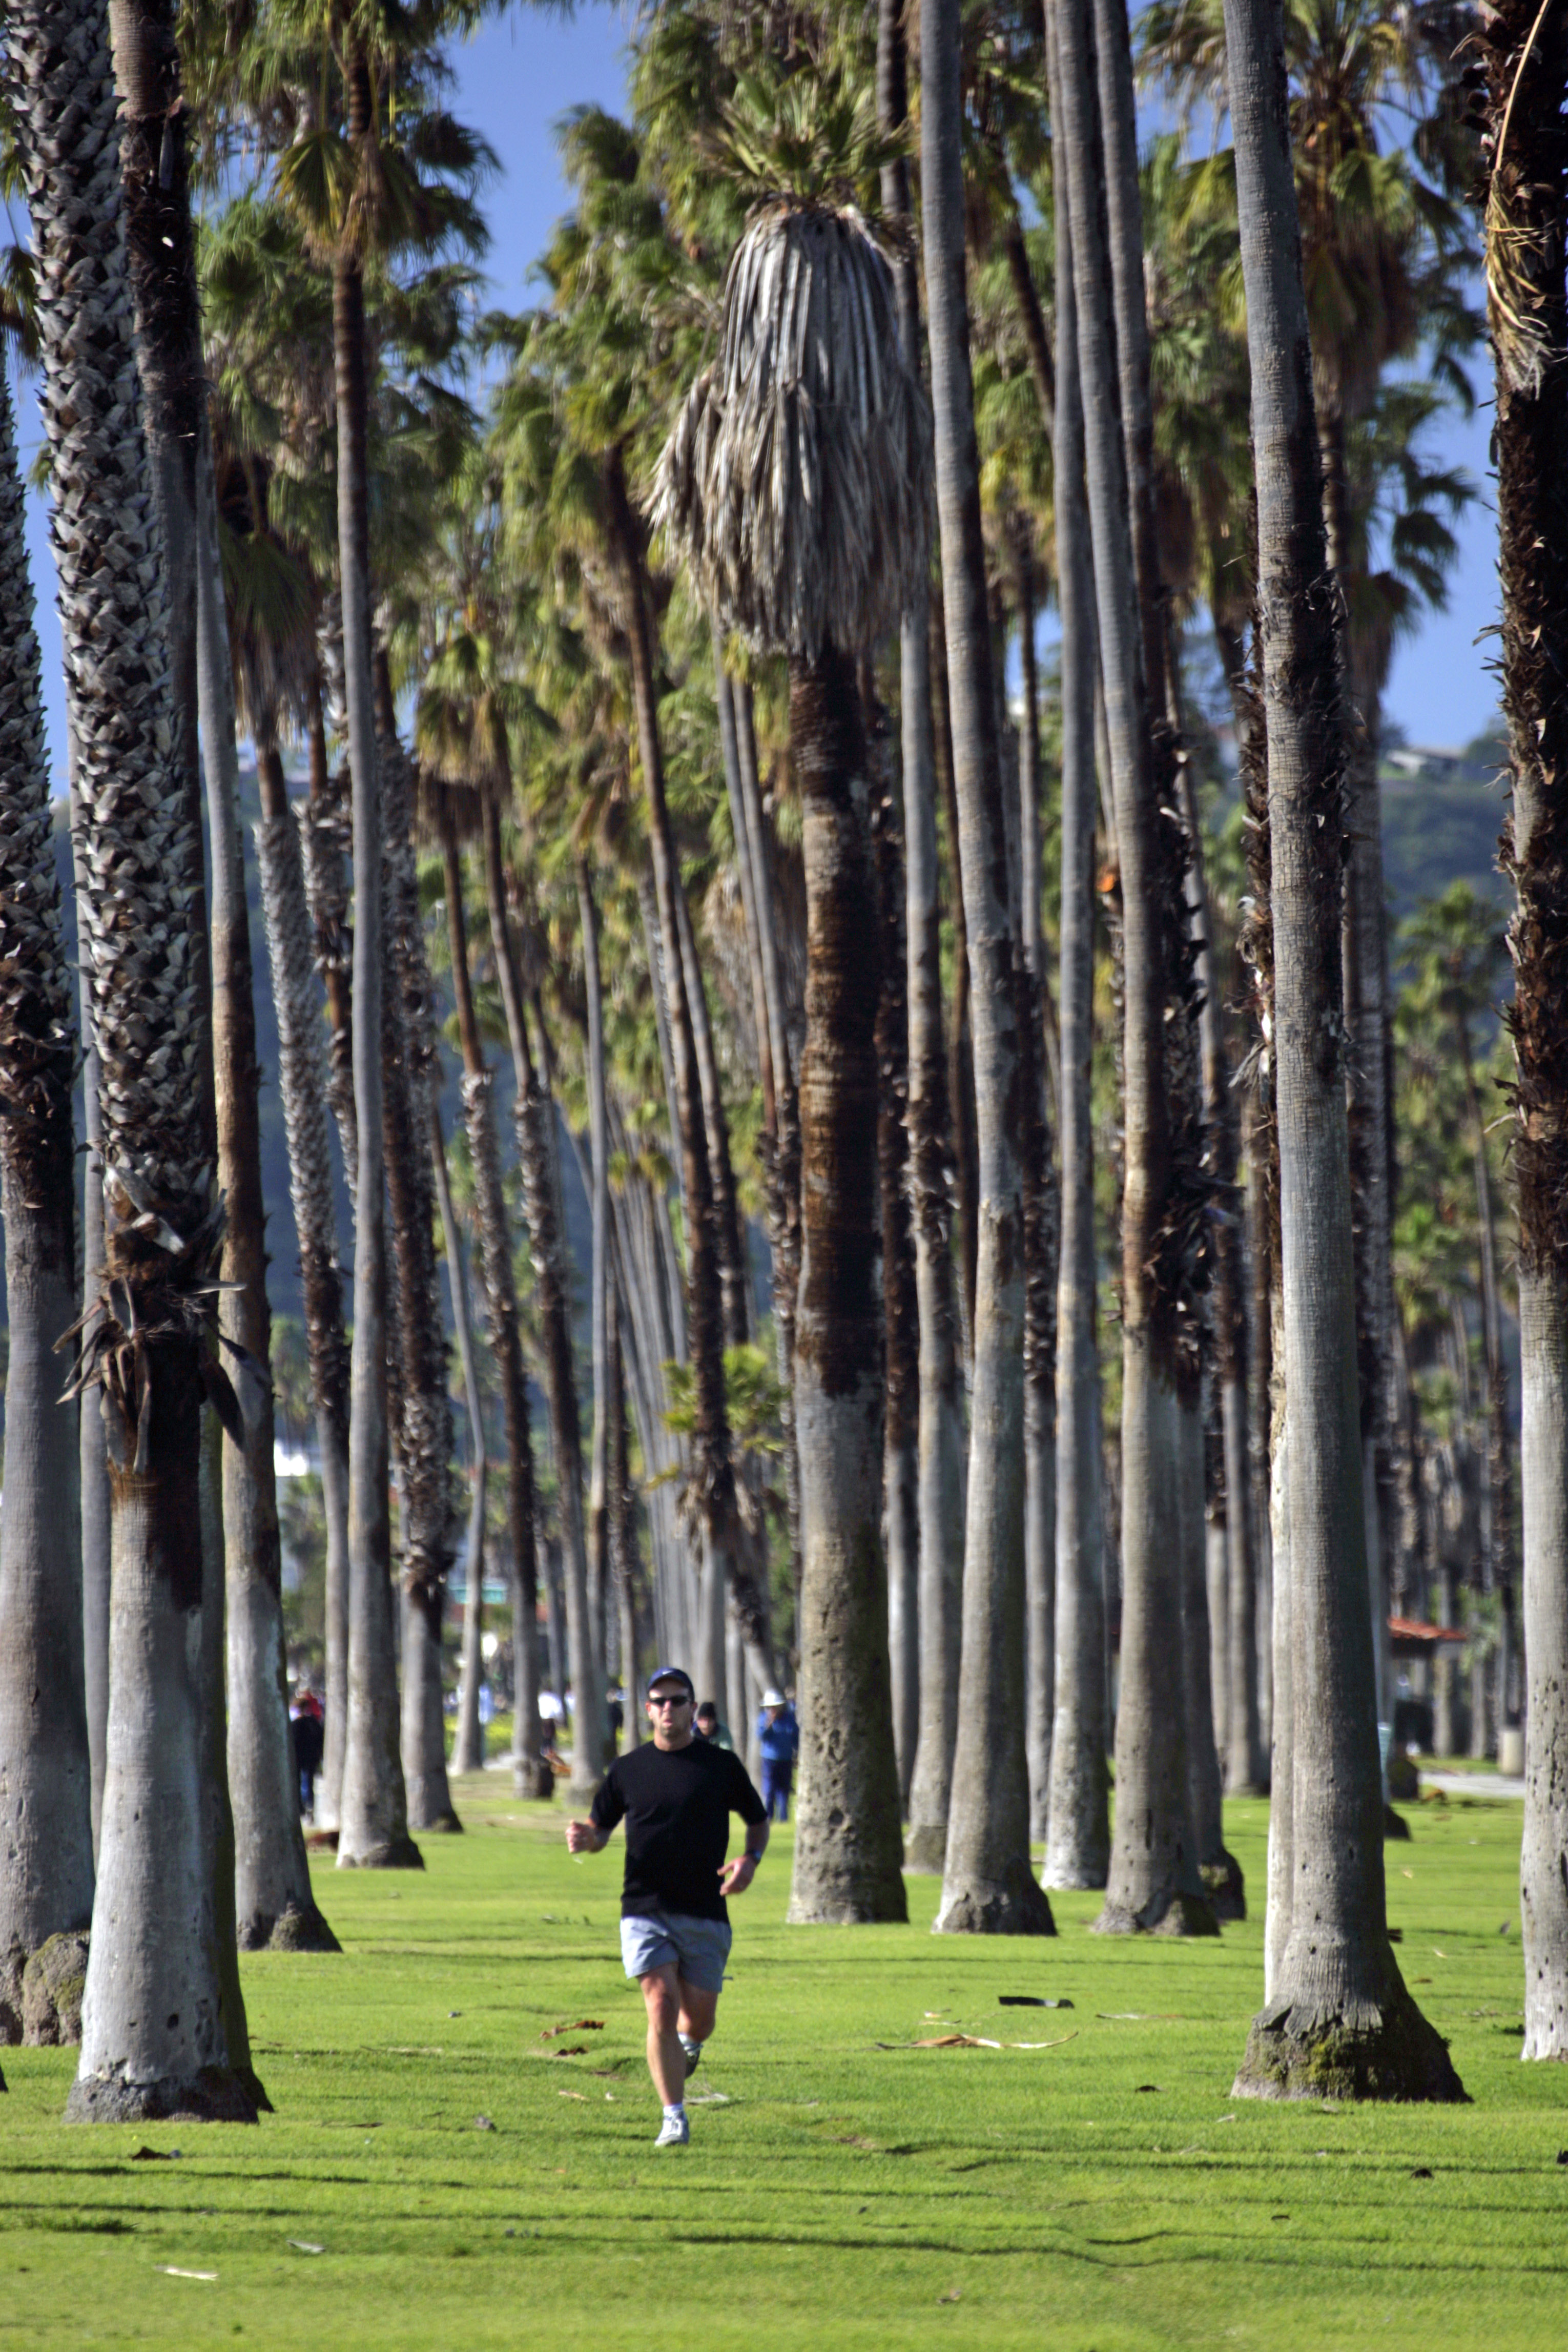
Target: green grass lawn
x=1106, y=2192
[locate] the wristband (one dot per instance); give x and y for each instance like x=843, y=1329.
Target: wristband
x=755, y=1859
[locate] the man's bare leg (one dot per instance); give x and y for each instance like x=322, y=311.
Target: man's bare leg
x=662, y=1993
x=699, y=2015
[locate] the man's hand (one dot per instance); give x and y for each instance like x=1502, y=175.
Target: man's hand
x=581, y=1837
x=738, y=1874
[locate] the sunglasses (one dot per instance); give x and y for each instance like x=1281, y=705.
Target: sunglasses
x=669, y=1698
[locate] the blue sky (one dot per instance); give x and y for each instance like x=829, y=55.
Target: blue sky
x=515, y=80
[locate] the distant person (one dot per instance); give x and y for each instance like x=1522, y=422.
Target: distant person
x=708, y=1725
x=309, y=1733
x=676, y=1795
x=778, y=1741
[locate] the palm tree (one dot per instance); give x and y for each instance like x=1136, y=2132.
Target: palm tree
x=1154, y=1881
x=940, y=1434
x=158, y=2036
x=811, y=553
x=1337, y=2017
x=1525, y=77
x=987, y=1884
x=468, y=1745
x=45, y=1812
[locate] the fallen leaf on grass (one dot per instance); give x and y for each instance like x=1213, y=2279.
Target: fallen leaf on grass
x=1436, y=1955
x=953, y=2294
x=952, y=2042
x=1059, y=2044
x=575, y=2025
x=582, y=2096
x=1563, y=2156
x=1028, y=2001
x=705, y=2099
x=1422, y=2172
x=1279, y=2216
x=483, y=2122
x=303, y=2246
x=571, y=2050
x=1407, y=1873
x=169, y=2271
x=1420, y=1979
x=154, y=2154
x=1147, y=2086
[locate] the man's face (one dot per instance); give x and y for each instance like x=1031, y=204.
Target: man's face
x=670, y=1712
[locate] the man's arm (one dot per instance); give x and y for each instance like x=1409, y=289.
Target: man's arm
x=737, y=1875
x=581, y=1837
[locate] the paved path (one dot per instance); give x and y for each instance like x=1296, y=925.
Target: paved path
x=1471, y=1784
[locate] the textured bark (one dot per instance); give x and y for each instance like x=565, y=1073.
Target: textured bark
x=468, y=1745
x=91, y=1455
x=1153, y=1882
x=273, y=1901
x=599, y=1293
x=900, y=1449
x=1526, y=59
x=1078, y=1851
x=1220, y=1870
x=303, y=1084
x=988, y=1886
x=940, y=1434
x=326, y=838
x=374, y=1827
x=1338, y=2020
x=528, y=1774
x=142, y=935
x=1042, y=1246
x=848, y=1837
x=959, y=1045
x=45, y=1768
x=421, y=1433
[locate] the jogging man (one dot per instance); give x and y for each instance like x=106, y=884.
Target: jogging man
x=675, y=1796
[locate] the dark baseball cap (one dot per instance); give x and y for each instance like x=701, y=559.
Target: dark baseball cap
x=671, y=1674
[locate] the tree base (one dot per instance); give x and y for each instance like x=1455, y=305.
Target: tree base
x=398, y=1854
x=1224, y=1885
x=1183, y=1915
x=52, y=1986
x=12, y=1964
x=925, y=1850
x=1076, y=1878
x=216, y=2095
x=445, y=1824
x=1393, y=2053
x=1395, y=1825
x=533, y=1782
x=299, y=1928
x=1017, y=1906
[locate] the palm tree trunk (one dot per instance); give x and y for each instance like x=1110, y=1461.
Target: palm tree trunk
x=959, y=1046
x=529, y=1775
x=1500, y=1477
x=533, y=1112
x=423, y=1431
x=158, y=2034
x=1153, y=1879
x=45, y=1789
x=91, y=1458
x=1338, y=2018
x=900, y=1314
x=1040, y=1280
x=1078, y=1851
x=988, y=1886
x=623, y=1537
x=373, y=1828
x=468, y=1746
x=847, y=1840
x=273, y=1902
x=1220, y=1870
x=326, y=846
x=940, y=1435
x=712, y=1470
x=302, y=1083
x=600, y=1288
x=1527, y=78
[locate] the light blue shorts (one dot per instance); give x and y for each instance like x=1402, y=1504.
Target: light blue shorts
x=698, y=1948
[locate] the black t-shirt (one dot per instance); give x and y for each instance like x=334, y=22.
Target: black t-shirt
x=675, y=1803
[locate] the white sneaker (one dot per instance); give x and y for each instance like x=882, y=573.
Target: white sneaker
x=676, y=2132
x=694, y=2056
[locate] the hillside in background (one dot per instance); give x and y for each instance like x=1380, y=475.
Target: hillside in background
x=1442, y=813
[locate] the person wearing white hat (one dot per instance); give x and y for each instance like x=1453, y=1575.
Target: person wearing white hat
x=778, y=1742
